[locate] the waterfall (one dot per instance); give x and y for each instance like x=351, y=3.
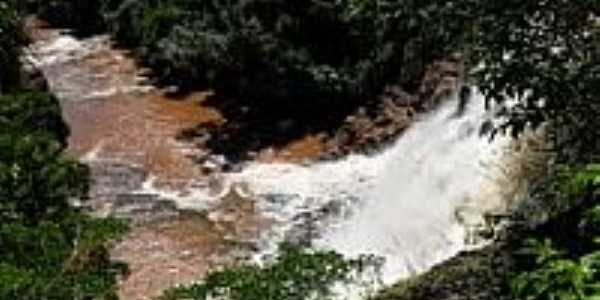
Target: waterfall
x=435, y=172
x=409, y=204
x=413, y=203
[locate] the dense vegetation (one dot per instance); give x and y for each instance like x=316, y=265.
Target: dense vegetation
x=307, y=53
x=295, y=274
x=561, y=258
x=544, y=56
x=85, y=14
x=558, y=259
x=311, y=56
x=48, y=249
x=10, y=41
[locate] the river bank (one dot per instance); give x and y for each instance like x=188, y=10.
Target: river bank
x=152, y=162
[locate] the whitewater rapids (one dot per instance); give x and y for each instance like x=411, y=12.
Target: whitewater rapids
x=409, y=204
x=413, y=204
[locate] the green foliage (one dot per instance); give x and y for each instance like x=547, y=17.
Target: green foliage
x=316, y=52
x=296, y=274
x=577, y=181
x=32, y=112
x=546, y=56
x=312, y=52
x=564, y=261
x=11, y=39
x=557, y=276
x=52, y=260
x=36, y=179
x=52, y=243
x=82, y=15
x=259, y=49
x=48, y=249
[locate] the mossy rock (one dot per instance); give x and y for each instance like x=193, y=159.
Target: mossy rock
x=476, y=275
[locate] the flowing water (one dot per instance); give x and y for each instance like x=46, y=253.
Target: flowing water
x=414, y=204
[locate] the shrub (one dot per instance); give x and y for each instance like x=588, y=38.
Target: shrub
x=11, y=39
x=311, y=52
x=295, y=274
x=66, y=260
x=83, y=15
x=555, y=275
x=48, y=249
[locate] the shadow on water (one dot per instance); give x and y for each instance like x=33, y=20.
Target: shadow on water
x=253, y=127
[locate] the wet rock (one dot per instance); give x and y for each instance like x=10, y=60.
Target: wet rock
x=486, y=128
x=113, y=178
x=371, y=128
x=394, y=91
x=209, y=166
x=171, y=89
x=32, y=77
x=232, y=167
x=114, y=192
x=216, y=184
x=126, y=201
x=440, y=80
x=304, y=233
x=399, y=96
x=215, y=163
x=479, y=225
x=310, y=224
x=277, y=201
x=143, y=208
x=286, y=126
x=464, y=96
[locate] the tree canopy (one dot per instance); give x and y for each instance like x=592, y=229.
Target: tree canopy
x=538, y=59
x=545, y=56
x=48, y=248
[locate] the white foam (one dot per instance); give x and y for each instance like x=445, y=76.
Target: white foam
x=196, y=198
x=400, y=204
x=63, y=49
x=112, y=91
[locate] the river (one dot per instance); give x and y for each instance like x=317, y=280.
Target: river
x=416, y=203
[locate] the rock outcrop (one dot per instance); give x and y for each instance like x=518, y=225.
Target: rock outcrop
x=382, y=120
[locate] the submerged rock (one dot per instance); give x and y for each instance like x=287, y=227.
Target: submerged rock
x=32, y=77
x=110, y=178
x=143, y=208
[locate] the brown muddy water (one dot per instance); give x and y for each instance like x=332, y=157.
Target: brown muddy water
x=127, y=131
x=407, y=203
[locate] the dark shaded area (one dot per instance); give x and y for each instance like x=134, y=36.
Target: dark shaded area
x=350, y=126
x=464, y=96
x=11, y=40
x=281, y=70
x=253, y=128
x=83, y=17
x=271, y=50
x=480, y=275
